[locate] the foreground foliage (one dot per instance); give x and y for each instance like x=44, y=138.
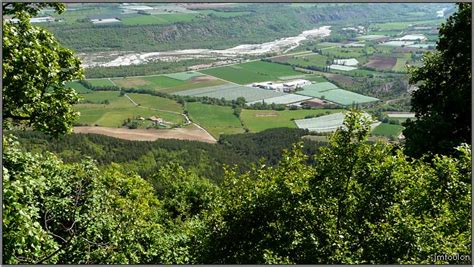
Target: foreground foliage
x=359, y=203
x=35, y=67
x=443, y=102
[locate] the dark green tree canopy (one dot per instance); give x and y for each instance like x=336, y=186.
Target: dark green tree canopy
x=443, y=101
x=35, y=69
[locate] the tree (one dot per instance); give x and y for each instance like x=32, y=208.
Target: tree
x=443, y=103
x=75, y=213
x=35, y=69
x=360, y=203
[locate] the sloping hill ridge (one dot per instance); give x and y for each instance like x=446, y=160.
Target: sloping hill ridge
x=265, y=23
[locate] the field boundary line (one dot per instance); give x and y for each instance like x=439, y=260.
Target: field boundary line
x=187, y=120
x=199, y=126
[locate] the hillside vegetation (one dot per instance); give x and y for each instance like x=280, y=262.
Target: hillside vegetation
x=265, y=23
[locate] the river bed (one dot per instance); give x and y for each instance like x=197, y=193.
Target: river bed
x=110, y=59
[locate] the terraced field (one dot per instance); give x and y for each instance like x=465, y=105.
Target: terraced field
x=257, y=71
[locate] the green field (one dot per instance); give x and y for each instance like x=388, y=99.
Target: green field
x=156, y=102
x=390, y=26
x=317, y=87
x=349, y=52
x=388, y=130
x=100, y=96
x=257, y=71
x=401, y=63
x=216, y=120
x=78, y=87
x=303, y=60
x=183, y=76
x=121, y=108
x=231, y=91
x=309, y=77
x=159, y=19
x=100, y=82
x=260, y=120
x=164, y=84
x=339, y=96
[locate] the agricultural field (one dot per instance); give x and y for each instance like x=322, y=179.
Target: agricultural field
x=323, y=124
x=119, y=109
x=317, y=87
x=309, y=77
x=327, y=123
x=257, y=71
x=331, y=92
x=165, y=84
x=78, y=87
x=97, y=97
x=260, y=120
x=231, y=92
x=183, y=76
x=382, y=63
x=156, y=102
x=284, y=99
x=216, y=120
x=100, y=82
x=348, y=52
x=400, y=65
x=388, y=130
x=340, y=67
x=305, y=60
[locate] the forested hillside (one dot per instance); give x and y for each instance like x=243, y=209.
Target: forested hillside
x=265, y=23
x=145, y=158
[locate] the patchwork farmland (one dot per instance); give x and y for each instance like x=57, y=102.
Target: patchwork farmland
x=109, y=109
x=231, y=92
x=257, y=71
x=328, y=123
x=331, y=92
x=169, y=83
x=260, y=120
x=362, y=64
x=216, y=120
x=381, y=63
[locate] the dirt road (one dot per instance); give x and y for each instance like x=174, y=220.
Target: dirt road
x=188, y=133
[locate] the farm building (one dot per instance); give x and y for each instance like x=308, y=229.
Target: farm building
x=282, y=87
x=268, y=85
x=297, y=83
